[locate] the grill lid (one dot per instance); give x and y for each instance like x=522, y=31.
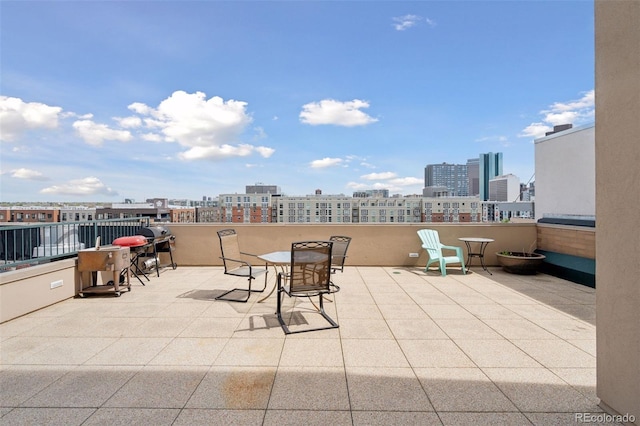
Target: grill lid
x=154, y=232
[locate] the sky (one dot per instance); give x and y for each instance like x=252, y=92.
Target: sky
x=102, y=101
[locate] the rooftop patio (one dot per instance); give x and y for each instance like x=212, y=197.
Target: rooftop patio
x=412, y=348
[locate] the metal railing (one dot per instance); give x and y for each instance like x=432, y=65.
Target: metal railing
x=23, y=245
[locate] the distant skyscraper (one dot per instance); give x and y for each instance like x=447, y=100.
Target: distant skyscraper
x=451, y=176
x=473, y=171
x=490, y=166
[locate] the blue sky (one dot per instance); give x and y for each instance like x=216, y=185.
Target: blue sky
x=102, y=101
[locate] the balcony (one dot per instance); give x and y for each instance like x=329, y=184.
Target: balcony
x=412, y=347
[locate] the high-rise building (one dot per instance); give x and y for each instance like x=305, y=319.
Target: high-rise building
x=473, y=171
x=504, y=188
x=454, y=177
x=490, y=166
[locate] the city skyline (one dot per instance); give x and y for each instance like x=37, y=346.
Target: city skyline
x=113, y=100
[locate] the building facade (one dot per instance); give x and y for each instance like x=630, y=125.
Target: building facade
x=489, y=167
x=504, y=188
x=454, y=177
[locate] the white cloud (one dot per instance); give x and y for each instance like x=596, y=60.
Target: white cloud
x=89, y=186
x=379, y=176
x=535, y=130
x=28, y=174
x=574, y=112
x=95, y=134
x=387, y=180
x=129, y=122
x=326, y=162
x=329, y=111
x=17, y=116
x=207, y=128
x=401, y=23
x=406, y=181
x=224, y=151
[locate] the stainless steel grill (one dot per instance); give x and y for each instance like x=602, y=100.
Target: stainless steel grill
x=160, y=240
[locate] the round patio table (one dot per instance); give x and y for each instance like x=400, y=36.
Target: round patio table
x=481, y=245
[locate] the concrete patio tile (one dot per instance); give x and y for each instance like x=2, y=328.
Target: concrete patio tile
x=466, y=329
x=182, y=310
x=16, y=349
x=587, y=345
x=510, y=298
x=546, y=297
x=415, y=329
x=259, y=326
x=222, y=309
x=19, y=383
x=372, y=353
x=251, y=352
x=47, y=416
x=583, y=312
x=83, y=387
x=386, y=389
x=432, y=298
x=130, y=351
x=405, y=311
x=496, y=353
x=307, y=417
x=384, y=418
x=556, y=353
x=309, y=388
x=484, y=419
x=569, y=328
x=516, y=329
x=20, y=326
x=158, y=387
x=494, y=311
x=447, y=312
x=190, y=351
x=211, y=327
x=352, y=296
x=539, y=390
x=434, y=353
x=471, y=299
x=207, y=417
x=537, y=312
x=581, y=379
x=133, y=416
x=355, y=328
x=157, y=327
x=312, y=353
x=462, y=389
x=141, y=309
x=357, y=310
x=75, y=327
x=57, y=351
x=234, y=388
x=396, y=298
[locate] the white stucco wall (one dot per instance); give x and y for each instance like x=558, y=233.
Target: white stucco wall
x=565, y=173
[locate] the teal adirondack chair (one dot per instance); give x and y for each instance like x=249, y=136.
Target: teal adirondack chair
x=431, y=243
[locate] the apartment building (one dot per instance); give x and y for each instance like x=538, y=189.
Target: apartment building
x=245, y=208
x=388, y=210
x=30, y=215
x=314, y=209
x=451, y=209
